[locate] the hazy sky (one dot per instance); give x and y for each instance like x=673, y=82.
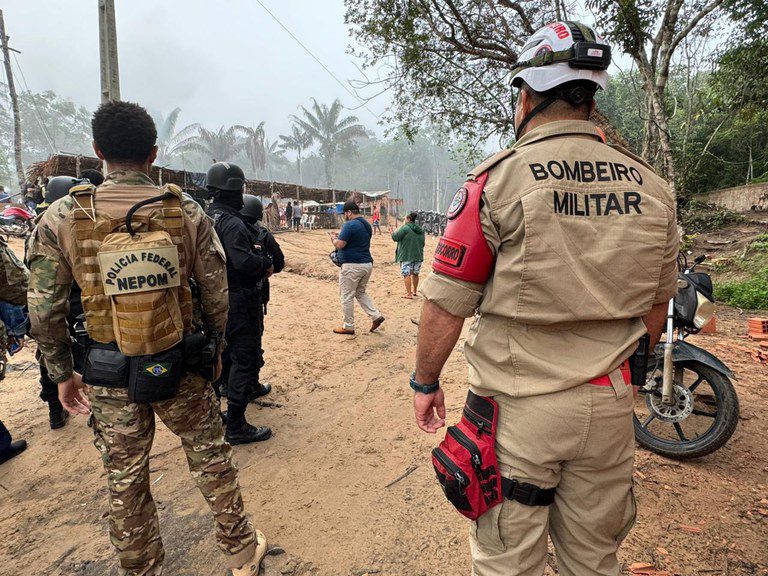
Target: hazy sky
x=221, y=62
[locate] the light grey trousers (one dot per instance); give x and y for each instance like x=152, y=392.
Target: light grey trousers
x=353, y=280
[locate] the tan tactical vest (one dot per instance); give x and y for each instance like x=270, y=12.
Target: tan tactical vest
x=145, y=322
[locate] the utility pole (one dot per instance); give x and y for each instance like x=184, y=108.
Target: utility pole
x=110, y=73
x=14, y=104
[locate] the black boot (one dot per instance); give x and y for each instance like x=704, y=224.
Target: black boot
x=57, y=416
x=240, y=432
x=258, y=391
x=14, y=449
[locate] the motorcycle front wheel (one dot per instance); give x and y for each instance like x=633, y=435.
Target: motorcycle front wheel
x=700, y=421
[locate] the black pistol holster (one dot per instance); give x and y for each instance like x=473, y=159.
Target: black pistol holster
x=638, y=362
x=201, y=352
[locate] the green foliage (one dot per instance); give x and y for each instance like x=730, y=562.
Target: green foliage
x=170, y=142
x=698, y=216
x=216, y=145
x=254, y=145
x=751, y=293
x=621, y=102
x=53, y=124
x=446, y=62
x=334, y=134
x=760, y=243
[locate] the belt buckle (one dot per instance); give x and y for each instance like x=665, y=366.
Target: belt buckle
x=525, y=493
x=522, y=492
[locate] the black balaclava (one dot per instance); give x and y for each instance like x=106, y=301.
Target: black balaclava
x=233, y=200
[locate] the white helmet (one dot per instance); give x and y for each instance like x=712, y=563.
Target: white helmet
x=562, y=52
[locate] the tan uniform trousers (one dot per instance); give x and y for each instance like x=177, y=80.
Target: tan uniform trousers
x=581, y=441
x=123, y=434
x=353, y=281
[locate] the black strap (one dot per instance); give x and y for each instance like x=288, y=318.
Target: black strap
x=526, y=493
x=132, y=211
x=539, y=108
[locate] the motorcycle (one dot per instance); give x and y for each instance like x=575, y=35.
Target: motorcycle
x=16, y=221
x=688, y=407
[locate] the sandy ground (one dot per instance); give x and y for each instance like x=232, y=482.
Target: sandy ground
x=342, y=416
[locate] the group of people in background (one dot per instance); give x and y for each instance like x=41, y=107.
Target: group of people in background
x=292, y=215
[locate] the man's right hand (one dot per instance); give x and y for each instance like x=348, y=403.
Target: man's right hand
x=71, y=396
x=429, y=410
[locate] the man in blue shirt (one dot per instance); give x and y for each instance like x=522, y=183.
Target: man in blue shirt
x=354, y=248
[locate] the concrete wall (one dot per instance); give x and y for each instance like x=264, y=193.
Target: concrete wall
x=741, y=198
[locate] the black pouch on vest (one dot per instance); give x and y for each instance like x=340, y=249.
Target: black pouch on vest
x=156, y=377
x=105, y=366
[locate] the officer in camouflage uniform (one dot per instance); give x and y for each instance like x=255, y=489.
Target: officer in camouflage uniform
x=58, y=187
x=13, y=293
x=124, y=136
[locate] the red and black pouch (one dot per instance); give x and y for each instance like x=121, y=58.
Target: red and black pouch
x=467, y=468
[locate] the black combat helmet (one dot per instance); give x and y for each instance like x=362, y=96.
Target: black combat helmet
x=59, y=186
x=252, y=207
x=225, y=176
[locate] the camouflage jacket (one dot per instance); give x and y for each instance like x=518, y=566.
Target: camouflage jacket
x=49, y=257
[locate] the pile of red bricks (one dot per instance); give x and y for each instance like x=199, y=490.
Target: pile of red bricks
x=758, y=328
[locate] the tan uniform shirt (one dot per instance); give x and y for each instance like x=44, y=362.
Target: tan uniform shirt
x=50, y=251
x=585, y=242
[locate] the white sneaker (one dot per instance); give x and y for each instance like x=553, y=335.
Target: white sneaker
x=251, y=568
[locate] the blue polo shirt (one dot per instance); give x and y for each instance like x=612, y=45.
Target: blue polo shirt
x=357, y=234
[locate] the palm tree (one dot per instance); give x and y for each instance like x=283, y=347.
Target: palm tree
x=332, y=133
x=298, y=141
x=169, y=141
x=254, y=145
x=217, y=145
x=272, y=157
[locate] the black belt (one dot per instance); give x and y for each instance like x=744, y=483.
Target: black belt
x=525, y=493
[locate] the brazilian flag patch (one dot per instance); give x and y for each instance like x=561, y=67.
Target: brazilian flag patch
x=158, y=370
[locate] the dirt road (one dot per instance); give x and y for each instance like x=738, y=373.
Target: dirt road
x=342, y=416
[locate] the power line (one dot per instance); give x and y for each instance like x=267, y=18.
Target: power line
x=308, y=51
x=47, y=135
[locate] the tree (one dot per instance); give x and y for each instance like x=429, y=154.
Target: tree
x=326, y=127
x=254, y=145
x=170, y=142
x=297, y=141
x=650, y=32
x=219, y=145
x=273, y=157
x=53, y=124
x=447, y=62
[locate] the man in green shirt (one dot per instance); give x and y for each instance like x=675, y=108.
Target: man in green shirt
x=410, y=253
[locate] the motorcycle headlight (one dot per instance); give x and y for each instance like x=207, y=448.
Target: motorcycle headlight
x=705, y=310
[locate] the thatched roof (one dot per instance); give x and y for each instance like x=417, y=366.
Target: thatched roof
x=69, y=165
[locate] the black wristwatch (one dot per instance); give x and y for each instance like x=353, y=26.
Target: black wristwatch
x=424, y=388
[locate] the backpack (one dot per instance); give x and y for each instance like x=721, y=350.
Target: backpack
x=14, y=277
x=135, y=291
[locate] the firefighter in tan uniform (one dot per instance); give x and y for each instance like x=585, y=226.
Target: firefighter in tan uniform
x=563, y=248
x=133, y=249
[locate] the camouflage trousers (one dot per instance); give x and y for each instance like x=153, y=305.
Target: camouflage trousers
x=124, y=432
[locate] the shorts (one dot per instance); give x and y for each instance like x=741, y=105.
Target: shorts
x=410, y=268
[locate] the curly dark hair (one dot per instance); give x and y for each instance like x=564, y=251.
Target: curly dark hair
x=123, y=131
